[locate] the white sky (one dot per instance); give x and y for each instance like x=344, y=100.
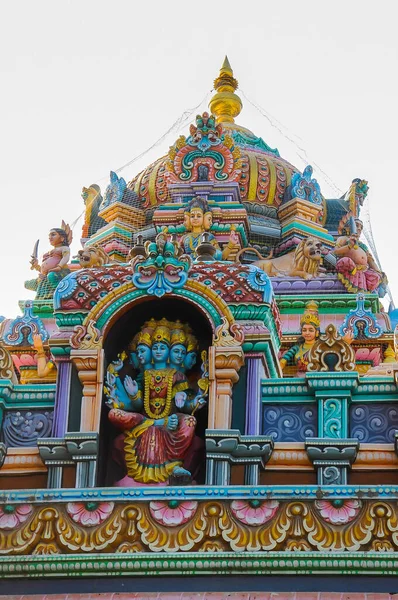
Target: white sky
x=88, y=85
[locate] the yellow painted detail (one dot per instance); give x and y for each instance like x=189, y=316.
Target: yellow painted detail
x=252, y=193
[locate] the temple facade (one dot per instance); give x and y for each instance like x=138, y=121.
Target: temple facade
x=208, y=388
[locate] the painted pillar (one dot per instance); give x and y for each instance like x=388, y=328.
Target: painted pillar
x=61, y=409
x=224, y=364
x=90, y=367
x=255, y=373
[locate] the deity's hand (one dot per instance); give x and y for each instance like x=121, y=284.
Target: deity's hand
x=172, y=423
x=37, y=342
x=130, y=386
x=34, y=263
x=117, y=364
x=180, y=399
x=198, y=402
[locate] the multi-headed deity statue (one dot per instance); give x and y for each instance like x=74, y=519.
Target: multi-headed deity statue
x=54, y=264
x=155, y=410
x=198, y=219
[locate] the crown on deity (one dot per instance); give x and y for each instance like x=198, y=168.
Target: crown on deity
x=178, y=337
x=311, y=315
x=198, y=202
x=161, y=334
x=191, y=343
x=144, y=337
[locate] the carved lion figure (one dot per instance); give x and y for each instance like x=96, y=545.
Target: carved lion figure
x=92, y=256
x=303, y=262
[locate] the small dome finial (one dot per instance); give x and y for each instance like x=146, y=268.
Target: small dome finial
x=225, y=105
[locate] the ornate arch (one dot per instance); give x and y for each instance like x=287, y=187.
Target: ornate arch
x=104, y=314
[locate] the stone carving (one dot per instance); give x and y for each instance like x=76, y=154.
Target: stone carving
x=305, y=261
x=54, y=264
x=22, y=428
x=373, y=423
x=156, y=409
x=305, y=188
x=7, y=366
x=361, y=321
x=86, y=337
x=290, y=422
x=198, y=220
x=244, y=528
x=356, y=268
x=161, y=271
x=92, y=200
x=226, y=335
x=207, y=146
x=310, y=330
x=21, y=330
x=331, y=353
x=92, y=256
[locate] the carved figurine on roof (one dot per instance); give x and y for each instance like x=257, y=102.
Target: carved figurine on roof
x=198, y=219
x=207, y=154
x=356, y=267
x=54, y=265
x=155, y=410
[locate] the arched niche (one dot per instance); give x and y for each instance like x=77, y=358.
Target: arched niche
x=128, y=324
x=118, y=337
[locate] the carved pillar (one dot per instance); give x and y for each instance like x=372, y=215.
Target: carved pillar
x=255, y=373
x=90, y=367
x=224, y=364
x=83, y=451
x=226, y=448
x=54, y=454
x=332, y=458
x=62, y=394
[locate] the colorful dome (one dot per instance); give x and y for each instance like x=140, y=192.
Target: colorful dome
x=264, y=175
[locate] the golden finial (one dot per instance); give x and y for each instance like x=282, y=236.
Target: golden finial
x=225, y=105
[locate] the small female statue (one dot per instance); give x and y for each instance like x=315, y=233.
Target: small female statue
x=54, y=264
x=299, y=353
x=198, y=218
x=155, y=410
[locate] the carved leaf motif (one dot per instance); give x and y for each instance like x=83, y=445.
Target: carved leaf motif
x=86, y=337
x=7, y=366
x=226, y=335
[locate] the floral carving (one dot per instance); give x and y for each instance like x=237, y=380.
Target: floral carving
x=172, y=513
x=89, y=514
x=179, y=525
x=254, y=512
x=338, y=512
x=12, y=516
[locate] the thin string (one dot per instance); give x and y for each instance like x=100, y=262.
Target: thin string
x=175, y=127
x=301, y=152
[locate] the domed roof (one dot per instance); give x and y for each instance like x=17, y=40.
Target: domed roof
x=264, y=175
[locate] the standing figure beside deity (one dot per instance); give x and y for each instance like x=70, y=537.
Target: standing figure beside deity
x=198, y=219
x=355, y=266
x=310, y=329
x=299, y=354
x=54, y=264
x=155, y=410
